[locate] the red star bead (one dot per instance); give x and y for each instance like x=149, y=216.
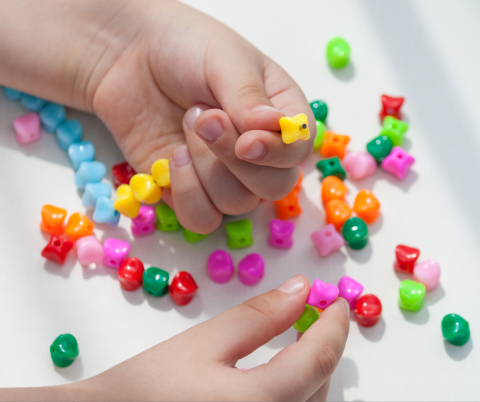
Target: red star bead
x=57, y=249
x=391, y=107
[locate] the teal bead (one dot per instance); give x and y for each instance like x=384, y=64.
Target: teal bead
x=239, y=233
x=331, y=167
x=12, y=94
x=394, y=129
x=380, y=148
x=155, y=281
x=32, y=103
x=64, y=350
x=51, y=116
x=193, y=237
x=355, y=233
x=166, y=219
x=320, y=110
x=455, y=329
x=338, y=52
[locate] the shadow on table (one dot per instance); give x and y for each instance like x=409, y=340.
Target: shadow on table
x=344, y=74
x=74, y=372
x=345, y=377
x=458, y=353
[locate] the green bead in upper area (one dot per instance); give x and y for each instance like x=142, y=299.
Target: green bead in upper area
x=155, y=281
x=455, y=329
x=64, y=350
x=331, y=167
x=320, y=110
x=239, y=233
x=320, y=135
x=380, y=148
x=355, y=233
x=166, y=219
x=193, y=237
x=309, y=316
x=394, y=129
x=411, y=295
x=338, y=52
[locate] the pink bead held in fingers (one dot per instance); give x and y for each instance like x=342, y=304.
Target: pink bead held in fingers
x=27, y=128
x=251, y=269
x=220, y=266
x=350, y=290
x=281, y=233
x=322, y=294
x=144, y=223
x=116, y=251
x=327, y=240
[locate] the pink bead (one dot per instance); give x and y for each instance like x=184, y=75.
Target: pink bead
x=220, y=266
x=359, y=164
x=27, y=128
x=251, y=269
x=144, y=223
x=281, y=233
x=350, y=290
x=116, y=251
x=322, y=294
x=428, y=273
x=89, y=250
x=327, y=240
x=398, y=163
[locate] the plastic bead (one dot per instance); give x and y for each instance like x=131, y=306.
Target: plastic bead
x=161, y=173
x=333, y=189
x=380, y=148
x=126, y=203
x=288, y=207
x=320, y=135
x=116, y=251
x=294, y=128
x=144, y=223
x=331, y=167
x=27, y=128
x=322, y=294
x=455, y=329
x=334, y=145
x=64, y=350
x=366, y=206
x=93, y=191
x=239, y=233
x=68, y=133
x=406, y=258
x=183, y=288
x=78, y=152
x=78, y=226
x=51, y=116
x=411, y=295
x=355, y=233
x=166, y=219
x=251, y=269
x=193, y=237
x=327, y=240
x=105, y=212
x=53, y=219
x=155, y=281
x=32, y=103
x=57, y=249
x=220, y=266
x=122, y=174
x=359, y=165
x=368, y=310
x=320, y=110
x=130, y=274
x=89, y=250
x=337, y=212
x=428, y=273
x=338, y=52
x=281, y=233
x=394, y=129
x=350, y=290
x=391, y=107
x=89, y=172
x=12, y=94
x=145, y=189
x=398, y=163
x=308, y=317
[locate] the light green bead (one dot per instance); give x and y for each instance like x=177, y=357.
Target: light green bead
x=193, y=237
x=166, y=219
x=309, y=316
x=239, y=233
x=338, y=52
x=320, y=135
x=411, y=295
x=394, y=129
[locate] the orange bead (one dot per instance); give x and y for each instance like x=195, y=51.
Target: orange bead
x=334, y=145
x=337, y=212
x=333, y=189
x=52, y=220
x=79, y=226
x=288, y=206
x=366, y=206
x=298, y=184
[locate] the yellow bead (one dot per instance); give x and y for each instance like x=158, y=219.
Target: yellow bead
x=145, y=189
x=125, y=202
x=294, y=128
x=161, y=173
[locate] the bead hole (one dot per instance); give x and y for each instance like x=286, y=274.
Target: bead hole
x=279, y=241
x=399, y=156
x=331, y=163
x=328, y=234
x=291, y=208
x=57, y=243
x=323, y=303
x=145, y=228
x=113, y=262
x=335, y=139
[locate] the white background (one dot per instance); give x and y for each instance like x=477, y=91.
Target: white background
x=426, y=51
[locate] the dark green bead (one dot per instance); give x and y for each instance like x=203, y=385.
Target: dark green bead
x=166, y=219
x=193, y=237
x=331, y=167
x=355, y=233
x=239, y=233
x=64, y=350
x=320, y=110
x=455, y=329
x=155, y=281
x=380, y=147
x=309, y=316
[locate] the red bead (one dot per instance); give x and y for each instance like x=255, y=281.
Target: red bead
x=391, y=107
x=57, y=249
x=122, y=173
x=183, y=288
x=130, y=273
x=368, y=310
x=406, y=258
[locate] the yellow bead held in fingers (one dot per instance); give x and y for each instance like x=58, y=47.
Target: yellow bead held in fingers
x=126, y=203
x=294, y=128
x=145, y=189
x=161, y=173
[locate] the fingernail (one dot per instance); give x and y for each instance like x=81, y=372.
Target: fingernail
x=211, y=130
x=181, y=156
x=192, y=115
x=292, y=286
x=265, y=108
x=255, y=151
x=347, y=307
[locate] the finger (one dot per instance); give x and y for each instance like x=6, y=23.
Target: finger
x=321, y=394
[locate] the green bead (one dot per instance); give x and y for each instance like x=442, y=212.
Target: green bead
x=380, y=147
x=64, y=350
x=331, y=167
x=355, y=233
x=193, y=237
x=166, y=219
x=455, y=329
x=338, y=52
x=320, y=135
x=394, y=129
x=155, y=281
x=309, y=316
x=320, y=110
x=239, y=233
x=411, y=295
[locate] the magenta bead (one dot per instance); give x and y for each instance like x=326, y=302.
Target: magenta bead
x=327, y=240
x=220, y=266
x=322, y=294
x=116, y=251
x=88, y=250
x=350, y=290
x=144, y=223
x=27, y=128
x=281, y=233
x=359, y=165
x=428, y=273
x=251, y=269
x=398, y=163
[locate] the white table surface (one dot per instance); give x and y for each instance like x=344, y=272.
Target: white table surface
x=426, y=51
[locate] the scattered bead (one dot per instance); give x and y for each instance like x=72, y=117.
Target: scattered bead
x=338, y=52
x=455, y=329
x=161, y=173
x=355, y=233
x=78, y=226
x=145, y=189
x=251, y=269
x=320, y=110
x=155, y=281
x=281, y=233
x=53, y=219
x=359, y=165
x=331, y=167
x=337, y=212
x=122, y=174
x=93, y=191
x=166, y=219
x=57, y=249
x=288, y=207
x=394, y=129
x=368, y=310
x=327, y=240
x=428, y=273
x=69, y=132
x=78, y=152
x=350, y=290
x=366, y=206
x=322, y=294
x=116, y=251
x=32, y=103
x=89, y=250
x=294, y=128
x=406, y=258
x=27, y=128
x=183, y=288
x=309, y=316
x=51, y=116
x=239, y=233
x=89, y=172
x=334, y=145
x=64, y=350
x=320, y=135
x=126, y=203
x=193, y=237
x=105, y=212
x=220, y=266
x=380, y=148
x=130, y=274
x=411, y=295
x=391, y=107
x=144, y=223
x=398, y=163
x=333, y=189
x=12, y=94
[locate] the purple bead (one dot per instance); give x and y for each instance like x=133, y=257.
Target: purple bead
x=350, y=290
x=327, y=240
x=322, y=294
x=144, y=223
x=116, y=251
x=251, y=269
x=281, y=233
x=398, y=163
x=220, y=266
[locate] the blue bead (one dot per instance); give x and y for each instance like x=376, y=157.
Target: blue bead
x=83, y=151
x=12, y=94
x=32, y=103
x=89, y=172
x=105, y=213
x=68, y=133
x=51, y=116
x=93, y=191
